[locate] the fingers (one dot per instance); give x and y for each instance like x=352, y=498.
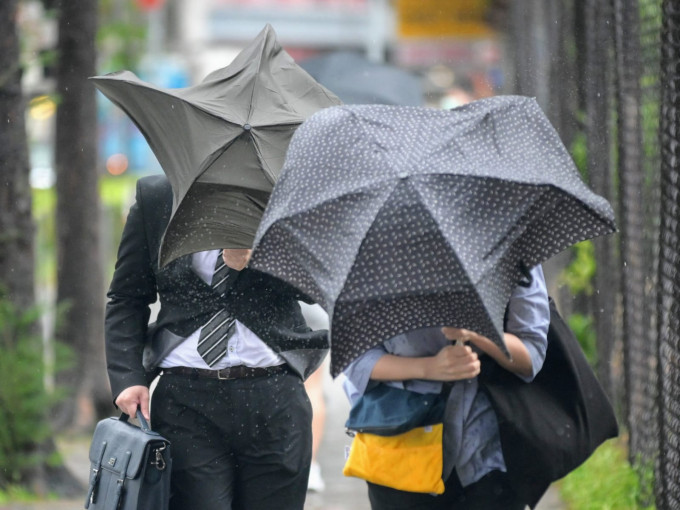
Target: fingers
x=461, y=348
x=458, y=362
x=467, y=365
x=451, y=333
x=132, y=398
x=463, y=335
x=144, y=406
x=236, y=258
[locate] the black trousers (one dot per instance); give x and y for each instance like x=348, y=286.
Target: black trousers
x=491, y=492
x=242, y=444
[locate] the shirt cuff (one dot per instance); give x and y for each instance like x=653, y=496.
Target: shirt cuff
x=359, y=372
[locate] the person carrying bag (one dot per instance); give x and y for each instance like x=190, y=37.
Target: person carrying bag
x=501, y=444
x=474, y=471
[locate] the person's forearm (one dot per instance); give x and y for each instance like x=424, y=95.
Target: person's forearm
x=397, y=368
x=520, y=362
x=449, y=364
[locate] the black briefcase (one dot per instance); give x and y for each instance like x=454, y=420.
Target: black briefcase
x=130, y=467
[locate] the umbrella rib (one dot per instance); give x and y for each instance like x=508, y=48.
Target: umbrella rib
x=174, y=95
x=343, y=193
x=364, y=236
x=165, y=92
x=257, y=74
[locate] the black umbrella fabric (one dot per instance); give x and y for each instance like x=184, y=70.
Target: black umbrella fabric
x=358, y=80
x=222, y=142
x=400, y=218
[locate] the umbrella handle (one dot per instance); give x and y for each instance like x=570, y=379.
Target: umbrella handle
x=526, y=279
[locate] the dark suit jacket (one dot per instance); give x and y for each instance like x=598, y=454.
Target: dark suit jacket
x=266, y=305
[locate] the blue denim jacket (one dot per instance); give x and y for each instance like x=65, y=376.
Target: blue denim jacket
x=471, y=438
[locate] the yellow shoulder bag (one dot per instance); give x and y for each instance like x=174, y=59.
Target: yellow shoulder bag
x=397, y=439
x=411, y=461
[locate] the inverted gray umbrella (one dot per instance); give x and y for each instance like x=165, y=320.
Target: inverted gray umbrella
x=399, y=218
x=222, y=142
x=358, y=80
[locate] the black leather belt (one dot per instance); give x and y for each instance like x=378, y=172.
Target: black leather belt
x=224, y=374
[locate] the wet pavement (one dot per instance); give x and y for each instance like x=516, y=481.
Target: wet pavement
x=341, y=493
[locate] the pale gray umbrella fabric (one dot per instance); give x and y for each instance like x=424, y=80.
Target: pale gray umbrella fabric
x=398, y=218
x=222, y=142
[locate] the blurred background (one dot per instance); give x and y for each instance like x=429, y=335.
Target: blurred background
x=605, y=73
x=452, y=47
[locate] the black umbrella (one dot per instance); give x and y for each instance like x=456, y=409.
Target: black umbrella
x=357, y=80
x=399, y=218
x=222, y=142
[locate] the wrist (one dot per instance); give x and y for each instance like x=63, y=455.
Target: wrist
x=423, y=367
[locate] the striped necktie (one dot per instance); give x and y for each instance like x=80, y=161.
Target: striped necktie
x=215, y=334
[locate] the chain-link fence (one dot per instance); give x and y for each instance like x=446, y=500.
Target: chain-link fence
x=625, y=60
x=668, y=479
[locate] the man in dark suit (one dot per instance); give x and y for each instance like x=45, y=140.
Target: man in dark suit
x=239, y=421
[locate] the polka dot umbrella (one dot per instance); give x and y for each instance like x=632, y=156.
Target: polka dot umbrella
x=396, y=218
x=221, y=142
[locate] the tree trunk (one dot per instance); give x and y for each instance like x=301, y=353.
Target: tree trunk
x=79, y=273
x=599, y=47
x=16, y=222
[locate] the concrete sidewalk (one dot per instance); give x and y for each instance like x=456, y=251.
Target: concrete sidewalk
x=341, y=493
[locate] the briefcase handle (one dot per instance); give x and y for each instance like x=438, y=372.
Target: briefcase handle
x=144, y=425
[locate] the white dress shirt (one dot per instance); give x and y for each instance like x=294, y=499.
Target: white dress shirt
x=244, y=347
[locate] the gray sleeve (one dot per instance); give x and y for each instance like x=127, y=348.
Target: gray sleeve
x=529, y=318
x=358, y=373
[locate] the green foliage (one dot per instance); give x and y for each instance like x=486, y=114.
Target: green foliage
x=15, y=494
x=645, y=472
x=583, y=328
x=121, y=38
x=123, y=43
x=578, y=275
x=117, y=192
x=606, y=481
x=579, y=153
x=44, y=202
x=24, y=399
x=116, y=195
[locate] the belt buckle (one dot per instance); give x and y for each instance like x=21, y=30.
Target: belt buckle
x=227, y=376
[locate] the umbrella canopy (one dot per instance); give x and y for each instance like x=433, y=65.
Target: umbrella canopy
x=222, y=142
x=400, y=218
x=357, y=80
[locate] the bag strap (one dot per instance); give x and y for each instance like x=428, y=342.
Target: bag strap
x=120, y=483
x=144, y=425
x=94, y=477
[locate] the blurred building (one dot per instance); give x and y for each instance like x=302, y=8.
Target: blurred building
x=450, y=45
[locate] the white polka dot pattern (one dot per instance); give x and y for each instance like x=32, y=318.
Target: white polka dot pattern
x=397, y=218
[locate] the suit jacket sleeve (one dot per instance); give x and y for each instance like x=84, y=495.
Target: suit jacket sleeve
x=132, y=290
